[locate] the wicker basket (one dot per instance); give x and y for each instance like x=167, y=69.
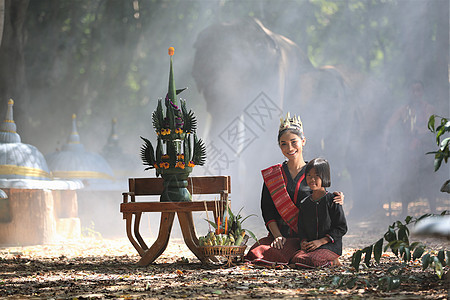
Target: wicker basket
x=226, y=251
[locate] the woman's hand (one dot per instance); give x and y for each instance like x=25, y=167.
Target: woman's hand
x=339, y=198
x=313, y=245
x=278, y=242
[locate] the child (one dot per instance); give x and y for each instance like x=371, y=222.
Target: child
x=321, y=222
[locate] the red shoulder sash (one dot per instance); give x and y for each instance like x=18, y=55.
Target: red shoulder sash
x=274, y=180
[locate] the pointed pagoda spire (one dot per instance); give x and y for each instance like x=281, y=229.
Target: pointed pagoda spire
x=8, y=127
x=74, y=137
x=73, y=143
x=113, y=136
x=112, y=145
x=172, y=92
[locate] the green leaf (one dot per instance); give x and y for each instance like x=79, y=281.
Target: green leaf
x=389, y=283
x=426, y=259
x=394, y=246
x=431, y=122
x=440, y=130
x=377, y=250
x=213, y=224
x=368, y=255
x=390, y=235
x=252, y=235
x=418, y=252
x=438, y=269
x=395, y=283
x=444, y=144
x=407, y=254
x=414, y=245
x=403, y=233
x=423, y=216
x=441, y=257
x=408, y=219
x=356, y=260
x=437, y=162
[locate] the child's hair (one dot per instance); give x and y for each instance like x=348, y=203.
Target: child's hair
x=322, y=168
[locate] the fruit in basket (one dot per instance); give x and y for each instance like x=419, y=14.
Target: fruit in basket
x=228, y=231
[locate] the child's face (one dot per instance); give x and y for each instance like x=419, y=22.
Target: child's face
x=313, y=180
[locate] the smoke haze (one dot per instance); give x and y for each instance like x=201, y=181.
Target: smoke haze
x=345, y=68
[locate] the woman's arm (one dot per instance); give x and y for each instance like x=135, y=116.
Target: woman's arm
x=279, y=240
x=313, y=245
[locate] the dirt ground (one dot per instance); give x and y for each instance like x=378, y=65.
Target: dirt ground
x=96, y=268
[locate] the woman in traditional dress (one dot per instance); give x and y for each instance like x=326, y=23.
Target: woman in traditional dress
x=321, y=222
x=284, y=187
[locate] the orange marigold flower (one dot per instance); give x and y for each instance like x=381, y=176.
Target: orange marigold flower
x=161, y=165
x=191, y=164
x=180, y=156
x=180, y=165
x=171, y=51
x=166, y=165
x=156, y=166
x=178, y=130
x=165, y=156
x=165, y=131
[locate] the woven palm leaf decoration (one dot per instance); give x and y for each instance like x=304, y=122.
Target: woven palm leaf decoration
x=175, y=128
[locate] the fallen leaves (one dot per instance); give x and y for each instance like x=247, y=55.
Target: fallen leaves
x=107, y=269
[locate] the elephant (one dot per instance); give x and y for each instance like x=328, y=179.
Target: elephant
x=250, y=76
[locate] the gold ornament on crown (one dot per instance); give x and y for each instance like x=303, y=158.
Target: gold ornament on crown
x=294, y=123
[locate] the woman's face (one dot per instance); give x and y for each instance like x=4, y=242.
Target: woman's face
x=292, y=145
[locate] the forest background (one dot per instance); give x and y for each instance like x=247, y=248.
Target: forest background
x=105, y=59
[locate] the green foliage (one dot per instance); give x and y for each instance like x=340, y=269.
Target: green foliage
x=158, y=117
x=199, y=155
x=230, y=228
x=190, y=122
x=235, y=223
x=148, y=154
x=443, y=152
x=397, y=238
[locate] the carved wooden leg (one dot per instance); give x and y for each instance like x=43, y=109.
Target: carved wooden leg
x=129, y=219
x=188, y=230
x=192, y=228
x=161, y=242
x=137, y=234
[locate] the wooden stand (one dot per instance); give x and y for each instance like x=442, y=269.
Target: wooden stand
x=154, y=186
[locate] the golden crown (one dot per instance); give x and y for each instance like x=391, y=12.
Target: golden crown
x=288, y=122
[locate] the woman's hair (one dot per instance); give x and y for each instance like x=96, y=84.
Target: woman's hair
x=322, y=169
x=292, y=130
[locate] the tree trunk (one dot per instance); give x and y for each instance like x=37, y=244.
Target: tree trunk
x=2, y=18
x=12, y=65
